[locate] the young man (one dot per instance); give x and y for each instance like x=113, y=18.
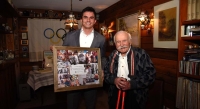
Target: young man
x=129, y=71
x=85, y=37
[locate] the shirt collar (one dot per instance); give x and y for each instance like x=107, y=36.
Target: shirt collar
x=84, y=32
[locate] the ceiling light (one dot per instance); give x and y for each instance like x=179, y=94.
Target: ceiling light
x=71, y=21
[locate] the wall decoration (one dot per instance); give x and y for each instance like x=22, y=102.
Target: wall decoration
x=24, y=55
x=48, y=59
x=24, y=36
x=23, y=29
x=130, y=24
x=24, y=42
x=166, y=22
x=24, y=48
x=76, y=68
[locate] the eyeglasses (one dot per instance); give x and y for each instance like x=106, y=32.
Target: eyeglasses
x=119, y=42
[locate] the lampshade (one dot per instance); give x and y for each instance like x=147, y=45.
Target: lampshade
x=71, y=21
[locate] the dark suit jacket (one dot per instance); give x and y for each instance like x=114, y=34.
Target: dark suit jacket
x=72, y=39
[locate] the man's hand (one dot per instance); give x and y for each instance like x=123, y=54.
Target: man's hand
x=122, y=83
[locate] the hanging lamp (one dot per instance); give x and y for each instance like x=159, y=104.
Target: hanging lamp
x=71, y=21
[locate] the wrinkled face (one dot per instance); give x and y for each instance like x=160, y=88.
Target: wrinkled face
x=122, y=42
x=88, y=20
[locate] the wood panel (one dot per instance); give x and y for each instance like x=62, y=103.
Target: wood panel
x=8, y=92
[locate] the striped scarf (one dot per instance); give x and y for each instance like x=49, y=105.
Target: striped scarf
x=132, y=62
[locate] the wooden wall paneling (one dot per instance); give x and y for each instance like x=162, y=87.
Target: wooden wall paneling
x=10, y=42
x=147, y=40
x=166, y=71
x=171, y=55
x=170, y=91
x=8, y=86
x=165, y=62
x=169, y=95
x=183, y=17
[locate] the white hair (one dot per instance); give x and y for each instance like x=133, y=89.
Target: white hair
x=129, y=35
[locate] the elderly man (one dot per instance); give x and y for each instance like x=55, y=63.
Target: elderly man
x=129, y=71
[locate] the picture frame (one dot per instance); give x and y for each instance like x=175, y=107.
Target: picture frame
x=24, y=36
x=24, y=48
x=166, y=20
x=76, y=68
x=24, y=55
x=24, y=42
x=48, y=58
x=23, y=29
x=130, y=24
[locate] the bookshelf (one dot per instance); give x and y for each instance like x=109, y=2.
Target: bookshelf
x=186, y=41
x=187, y=82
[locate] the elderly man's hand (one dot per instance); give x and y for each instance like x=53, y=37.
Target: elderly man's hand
x=122, y=83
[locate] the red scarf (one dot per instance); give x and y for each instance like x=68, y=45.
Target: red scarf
x=132, y=62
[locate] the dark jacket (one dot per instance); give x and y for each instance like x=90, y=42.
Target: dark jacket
x=72, y=39
x=144, y=74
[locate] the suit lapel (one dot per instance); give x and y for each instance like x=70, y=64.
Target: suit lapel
x=94, y=40
x=77, y=37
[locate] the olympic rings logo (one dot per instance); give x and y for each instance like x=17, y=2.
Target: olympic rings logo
x=53, y=33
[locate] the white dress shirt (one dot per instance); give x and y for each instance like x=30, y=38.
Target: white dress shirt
x=123, y=70
x=86, y=40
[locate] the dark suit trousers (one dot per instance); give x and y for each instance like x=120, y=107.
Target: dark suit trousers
x=74, y=97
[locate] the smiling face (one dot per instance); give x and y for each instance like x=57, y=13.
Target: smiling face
x=88, y=20
x=122, y=42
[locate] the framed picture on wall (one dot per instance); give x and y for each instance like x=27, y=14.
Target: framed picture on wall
x=48, y=59
x=24, y=36
x=130, y=24
x=24, y=42
x=24, y=48
x=76, y=68
x=166, y=23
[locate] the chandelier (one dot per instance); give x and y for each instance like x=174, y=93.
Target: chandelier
x=71, y=21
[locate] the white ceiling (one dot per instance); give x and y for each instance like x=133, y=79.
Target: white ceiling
x=64, y=5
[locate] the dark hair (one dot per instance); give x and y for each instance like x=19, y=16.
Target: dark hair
x=90, y=9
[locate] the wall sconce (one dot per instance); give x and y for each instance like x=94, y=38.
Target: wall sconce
x=145, y=20
x=104, y=30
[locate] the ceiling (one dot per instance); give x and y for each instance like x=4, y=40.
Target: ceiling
x=64, y=5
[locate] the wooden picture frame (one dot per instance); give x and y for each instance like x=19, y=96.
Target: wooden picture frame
x=76, y=68
x=24, y=42
x=166, y=25
x=24, y=36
